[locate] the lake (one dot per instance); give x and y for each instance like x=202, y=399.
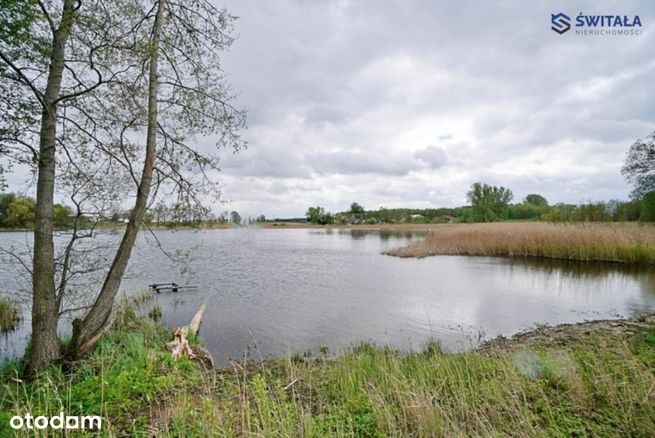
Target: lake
x=280, y=291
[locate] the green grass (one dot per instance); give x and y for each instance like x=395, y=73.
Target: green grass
x=9, y=314
x=599, y=385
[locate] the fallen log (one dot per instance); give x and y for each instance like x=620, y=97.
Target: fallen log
x=180, y=346
x=194, y=325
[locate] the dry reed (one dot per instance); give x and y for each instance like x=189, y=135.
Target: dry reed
x=614, y=242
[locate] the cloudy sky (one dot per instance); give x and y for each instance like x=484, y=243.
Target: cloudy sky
x=407, y=103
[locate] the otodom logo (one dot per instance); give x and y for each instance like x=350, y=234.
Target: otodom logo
x=560, y=22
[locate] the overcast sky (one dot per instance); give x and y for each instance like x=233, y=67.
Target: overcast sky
x=407, y=103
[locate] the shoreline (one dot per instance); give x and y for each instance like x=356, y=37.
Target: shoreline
x=549, y=335
x=588, y=378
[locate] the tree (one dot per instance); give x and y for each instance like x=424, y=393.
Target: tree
x=535, y=199
x=23, y=66
x=639, y=166
x=5, y=200
x=648, y=207
x=314, y=214
x=355, y=208
x=190, y=86
x=20, y=213
x=61, y=215
x=235, y=217
x=384, y=215
x=317, y=215
x=489, y=202
x=99, y=62
x=627, y=211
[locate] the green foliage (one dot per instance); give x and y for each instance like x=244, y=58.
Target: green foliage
x=533, y=208
x=524, y=211
x=355, y=208
x=598, y=384
x=16, y=19
x=352, y=417
x=148, y=217
x=535, y=199
x=592, y=212
x=20, y=213
x=317, y=215
x=5, y=200
x=129, y=371
x=61, y=216
x=589, y=212
x=156, y=313
x=489, y=202
x=648, y=207
x=627, y=211
x=235, y=217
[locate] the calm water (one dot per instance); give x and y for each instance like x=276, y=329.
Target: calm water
x=272, y=291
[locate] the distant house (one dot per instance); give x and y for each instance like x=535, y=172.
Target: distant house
x=416, y=216
x=94, y=217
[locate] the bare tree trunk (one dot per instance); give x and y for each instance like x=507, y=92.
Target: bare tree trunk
x=45, y=343
x=88, y=331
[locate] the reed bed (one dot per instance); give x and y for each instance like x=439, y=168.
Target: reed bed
x=9, y=314
x=588, y=242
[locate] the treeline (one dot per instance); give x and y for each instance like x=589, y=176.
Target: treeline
x=491, y=203
x=18, y=212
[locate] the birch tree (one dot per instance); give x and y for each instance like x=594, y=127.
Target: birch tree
x=113, y=108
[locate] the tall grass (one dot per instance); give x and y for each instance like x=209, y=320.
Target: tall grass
x=9, y=314
x=596, y=385
x=607, y=242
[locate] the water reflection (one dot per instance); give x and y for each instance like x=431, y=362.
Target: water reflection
x=582, y=270
x=275, y=291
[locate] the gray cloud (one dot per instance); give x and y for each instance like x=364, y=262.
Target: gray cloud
x=350, y=94
x=354, y=163
x=434, y=156
x=344, y=97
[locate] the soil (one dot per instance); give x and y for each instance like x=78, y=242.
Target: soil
x=565, y=333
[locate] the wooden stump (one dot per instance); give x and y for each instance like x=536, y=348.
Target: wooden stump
x=180, y=346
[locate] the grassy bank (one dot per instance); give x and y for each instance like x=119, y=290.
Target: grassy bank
x=599, y=382
x=606, y=242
